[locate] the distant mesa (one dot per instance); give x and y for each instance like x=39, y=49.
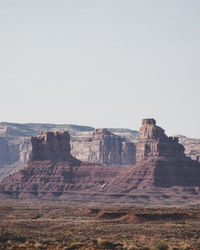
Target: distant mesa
x=104, y=147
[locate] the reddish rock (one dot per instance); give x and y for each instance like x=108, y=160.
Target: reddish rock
x=54, y=146
x=14, y=143
x=48, y=179
x=161, y=174
x=161, y=162
x=154, y=144
x=52, y=171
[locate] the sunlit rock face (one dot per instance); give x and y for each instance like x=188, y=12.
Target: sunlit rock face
x=155, y=144
x=104, y=147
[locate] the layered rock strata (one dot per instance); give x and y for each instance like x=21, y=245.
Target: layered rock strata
x=53, y=146
x=14, y=142
x=154, y=144
x=52, y=171
x=103, y=147
x=161, y=161
x=162, y=172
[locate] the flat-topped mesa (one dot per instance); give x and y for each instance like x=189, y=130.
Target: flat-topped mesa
x=104, y=147
x=54, y=146
x=154, y=144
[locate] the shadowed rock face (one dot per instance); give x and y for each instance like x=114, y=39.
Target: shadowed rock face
x=53, y=146
x=103, y=147
x=155, y=144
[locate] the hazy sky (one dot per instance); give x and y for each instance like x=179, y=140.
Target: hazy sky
x=105, y=63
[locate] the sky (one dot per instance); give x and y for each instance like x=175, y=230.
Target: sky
x=102, y=63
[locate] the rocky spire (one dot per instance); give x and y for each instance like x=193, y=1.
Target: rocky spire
x=155, y=144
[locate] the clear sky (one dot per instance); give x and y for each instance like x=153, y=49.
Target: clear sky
x=103, y=63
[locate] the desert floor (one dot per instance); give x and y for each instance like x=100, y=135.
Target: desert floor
x=60, y=225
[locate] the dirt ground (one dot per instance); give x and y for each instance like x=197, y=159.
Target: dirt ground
x=59, y=225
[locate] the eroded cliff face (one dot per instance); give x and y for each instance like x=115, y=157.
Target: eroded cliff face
x=164, y=159
x=15, y=138
x=104, y=147
x=154, y=144
x=192, y=147
x=13, y=155
x=52, y=171
x=9, y=151
x=52, y=146
x=162, y=170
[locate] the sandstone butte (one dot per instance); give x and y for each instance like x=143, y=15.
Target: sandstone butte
x=161, y=175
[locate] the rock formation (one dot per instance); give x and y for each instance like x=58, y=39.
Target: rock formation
x=9, y=152
x=52, y=171
x=192, y=147
x=154, y=144
x=15, y=138
x=162, y=172
x=105, y=148
x=161, y=161
x=53, y=146
x=14, y=144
